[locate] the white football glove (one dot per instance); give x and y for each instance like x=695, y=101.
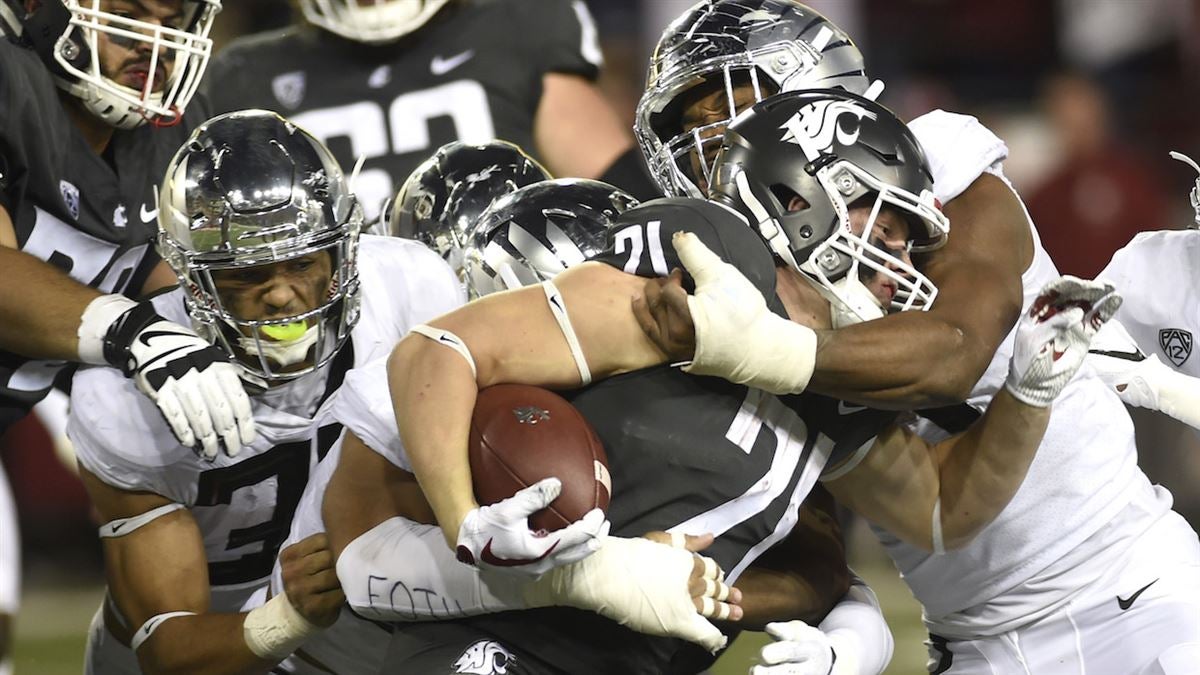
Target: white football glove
x=192, y=382
x=1054, y=335
x=737, y=337
x=1149, y=383
x=498, y=537
x=801, y=649
x=642, y=585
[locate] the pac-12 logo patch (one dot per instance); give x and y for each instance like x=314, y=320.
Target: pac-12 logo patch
x=485, y=657
x=289, y=88
x=1176, y=344
x=70, y=195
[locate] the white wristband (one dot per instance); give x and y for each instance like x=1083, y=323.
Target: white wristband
x=94, y=322
x=276, y=629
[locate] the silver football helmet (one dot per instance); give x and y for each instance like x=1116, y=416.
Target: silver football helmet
x=155, y=86
x=769, y=45
x=798, y=162
x=531, y=235
x=249, y=188
x=370, y=21
x=442, y=200
x=1195, y=193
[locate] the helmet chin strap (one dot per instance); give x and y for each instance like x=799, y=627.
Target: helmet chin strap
x=767, y=226
x=284, y=352
x=850, y=302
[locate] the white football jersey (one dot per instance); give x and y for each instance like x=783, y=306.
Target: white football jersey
x=1156, y=274
x=352, y=645
x=244, y=505
x=1069, y=519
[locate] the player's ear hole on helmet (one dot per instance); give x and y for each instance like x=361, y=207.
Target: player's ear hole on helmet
x=789, y=200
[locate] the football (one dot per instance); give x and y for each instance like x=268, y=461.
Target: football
x=522, y=434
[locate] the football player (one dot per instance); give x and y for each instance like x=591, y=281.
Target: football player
x=741, y=461
x=1155, y=271
x=1112, y=532
x=260, y=229
x=392, y=80
x=415, y=578
x=78, y=165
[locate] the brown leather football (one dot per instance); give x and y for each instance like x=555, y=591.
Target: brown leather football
x=522, y=434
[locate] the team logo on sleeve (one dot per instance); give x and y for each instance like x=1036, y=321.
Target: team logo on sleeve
x=70, y=195
x=485, y=657
x=1176, y=344
x=289, y=88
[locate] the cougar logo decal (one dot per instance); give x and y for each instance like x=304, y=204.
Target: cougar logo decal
x=818, y=125
x=484, y=658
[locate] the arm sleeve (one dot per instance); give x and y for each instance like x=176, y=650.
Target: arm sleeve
x=403, y=571
x=856, y=625
x=560, y=37
x=640, y=241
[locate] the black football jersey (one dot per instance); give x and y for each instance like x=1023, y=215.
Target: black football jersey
x=473, y=73
x=695, y=453
x=93, y=217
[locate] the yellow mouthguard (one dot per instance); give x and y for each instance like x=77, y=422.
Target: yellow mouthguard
x=285, y=332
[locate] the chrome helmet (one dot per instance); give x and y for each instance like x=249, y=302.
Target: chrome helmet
x=443, y=198
x=370, y=21
x=1195, y=193
x=719, y=46
x=154, y=85
x=796, y=163
x=531, y=235
x=250, y=188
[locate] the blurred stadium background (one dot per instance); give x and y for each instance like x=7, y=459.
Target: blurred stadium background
x=1089, y=94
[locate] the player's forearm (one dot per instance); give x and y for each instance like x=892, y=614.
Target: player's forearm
x=783, y=595
x=204, y=644
x=917, y=361
x=41, y=307
x=402, y=571
x=432, y=383
x=980, y=471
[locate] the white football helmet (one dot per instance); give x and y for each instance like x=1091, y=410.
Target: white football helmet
x=370, y=21
x=154, y=85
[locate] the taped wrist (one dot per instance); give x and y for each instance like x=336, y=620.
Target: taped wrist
x=97, y=319
x=773, y=354
x=276, y=629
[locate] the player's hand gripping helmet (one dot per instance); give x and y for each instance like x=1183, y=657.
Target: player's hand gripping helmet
x=370, y=21
x=832, y=149
x=1195, y=193
x=162, y=66
x=442, y=199
x=767, y=45
x=531, y=235
x=251, y=189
